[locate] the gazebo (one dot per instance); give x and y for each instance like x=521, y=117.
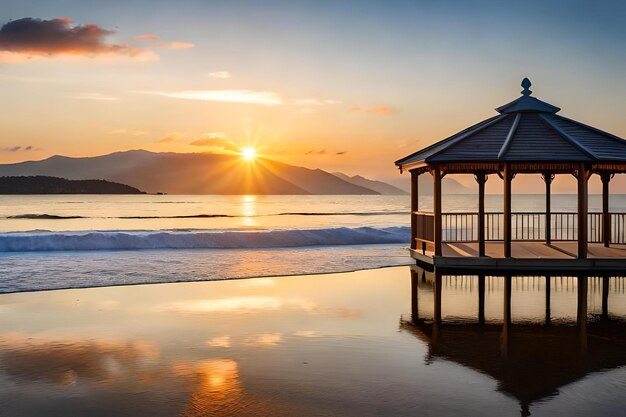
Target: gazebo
x=526, y=137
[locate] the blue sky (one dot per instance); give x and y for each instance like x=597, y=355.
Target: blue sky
x=383, y=78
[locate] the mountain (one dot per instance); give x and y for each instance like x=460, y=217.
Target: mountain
x=54, y=185
x=380, y=187
x=192, y=173
x=425, y=183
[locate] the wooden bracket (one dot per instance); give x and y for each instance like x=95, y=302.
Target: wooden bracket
x=548, y=177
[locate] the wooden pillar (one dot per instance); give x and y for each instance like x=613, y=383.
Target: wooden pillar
x=437, y=209
x=414, y=207
x=605, y=297
x=548, y=178
x=481, y=299
x=582, y=211
x=507, y=177
x=481, y=179
x=606, y=215
x=548, y=291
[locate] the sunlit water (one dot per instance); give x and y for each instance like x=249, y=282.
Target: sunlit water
x=355, y=344
x=71, y=241
x=211, y=212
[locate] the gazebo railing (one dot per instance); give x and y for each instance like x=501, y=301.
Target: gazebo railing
x=618, y=228
x=530, y=226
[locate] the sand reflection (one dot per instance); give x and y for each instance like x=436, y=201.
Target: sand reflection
x=239, y=304
x=220, y=341
x=217, y=386
x=266, y=340
x=72, y=361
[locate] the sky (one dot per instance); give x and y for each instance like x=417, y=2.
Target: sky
x=345, y=86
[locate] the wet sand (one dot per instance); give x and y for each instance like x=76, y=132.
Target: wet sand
x=321, y=345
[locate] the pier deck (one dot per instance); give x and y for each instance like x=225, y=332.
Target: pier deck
x=526, y=256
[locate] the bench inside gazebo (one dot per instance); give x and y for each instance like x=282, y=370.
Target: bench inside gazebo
x=526, y=137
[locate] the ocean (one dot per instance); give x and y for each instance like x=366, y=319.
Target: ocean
x=74, y=241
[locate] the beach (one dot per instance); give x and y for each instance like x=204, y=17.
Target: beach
x=321, y=345
x=258, y=305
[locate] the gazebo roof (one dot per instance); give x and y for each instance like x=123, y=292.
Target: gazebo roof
x=527, y=130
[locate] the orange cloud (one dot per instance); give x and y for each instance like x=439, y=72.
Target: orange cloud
x=267, y=98
x=171, y=137
x=175, y=45
x=216, y=140
x=374, y=110
x=27, y=39
x=127, y=132
x=148, y=37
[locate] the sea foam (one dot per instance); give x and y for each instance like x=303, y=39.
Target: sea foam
x=118, y=240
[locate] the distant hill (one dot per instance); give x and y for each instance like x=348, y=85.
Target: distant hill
x=54, y=185
x=192, y=173
x=378, y=186
x=425, y=183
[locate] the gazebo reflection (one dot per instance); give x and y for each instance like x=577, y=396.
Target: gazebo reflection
x=530, y=360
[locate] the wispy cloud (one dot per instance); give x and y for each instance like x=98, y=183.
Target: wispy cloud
x=341, y=153
x=373, y=110
x=29, y=38
x=148, y=37
x=93, y=96
x=216, y=140
x=171, y=137
x=266, y=98
x=175, y=45
x=316, y=152
x=128, y=132
x=219, y=74
x=26, y=148
x=313, y=102
x=151, y=37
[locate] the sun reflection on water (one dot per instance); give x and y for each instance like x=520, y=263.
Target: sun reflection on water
x=249, y=210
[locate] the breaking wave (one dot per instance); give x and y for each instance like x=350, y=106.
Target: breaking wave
x=117, y=240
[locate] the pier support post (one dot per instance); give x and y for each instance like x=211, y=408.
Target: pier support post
x=581, y=316
x=507, y=177
x=507, y=300
x=481, y=179
x=437, y=210
x=481, y=299
x=606, y=215
x=548, y=178
x=605, y=297
x=582, y=210
x=414, y=311
x=506, y=318
x=548, y=290
x=437, y=299
x=414, y=207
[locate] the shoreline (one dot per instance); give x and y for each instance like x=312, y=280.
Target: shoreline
x=410, y=262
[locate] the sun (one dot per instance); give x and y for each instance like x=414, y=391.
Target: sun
x=248, y=154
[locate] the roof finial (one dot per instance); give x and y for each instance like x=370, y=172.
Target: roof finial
x=526, y=85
